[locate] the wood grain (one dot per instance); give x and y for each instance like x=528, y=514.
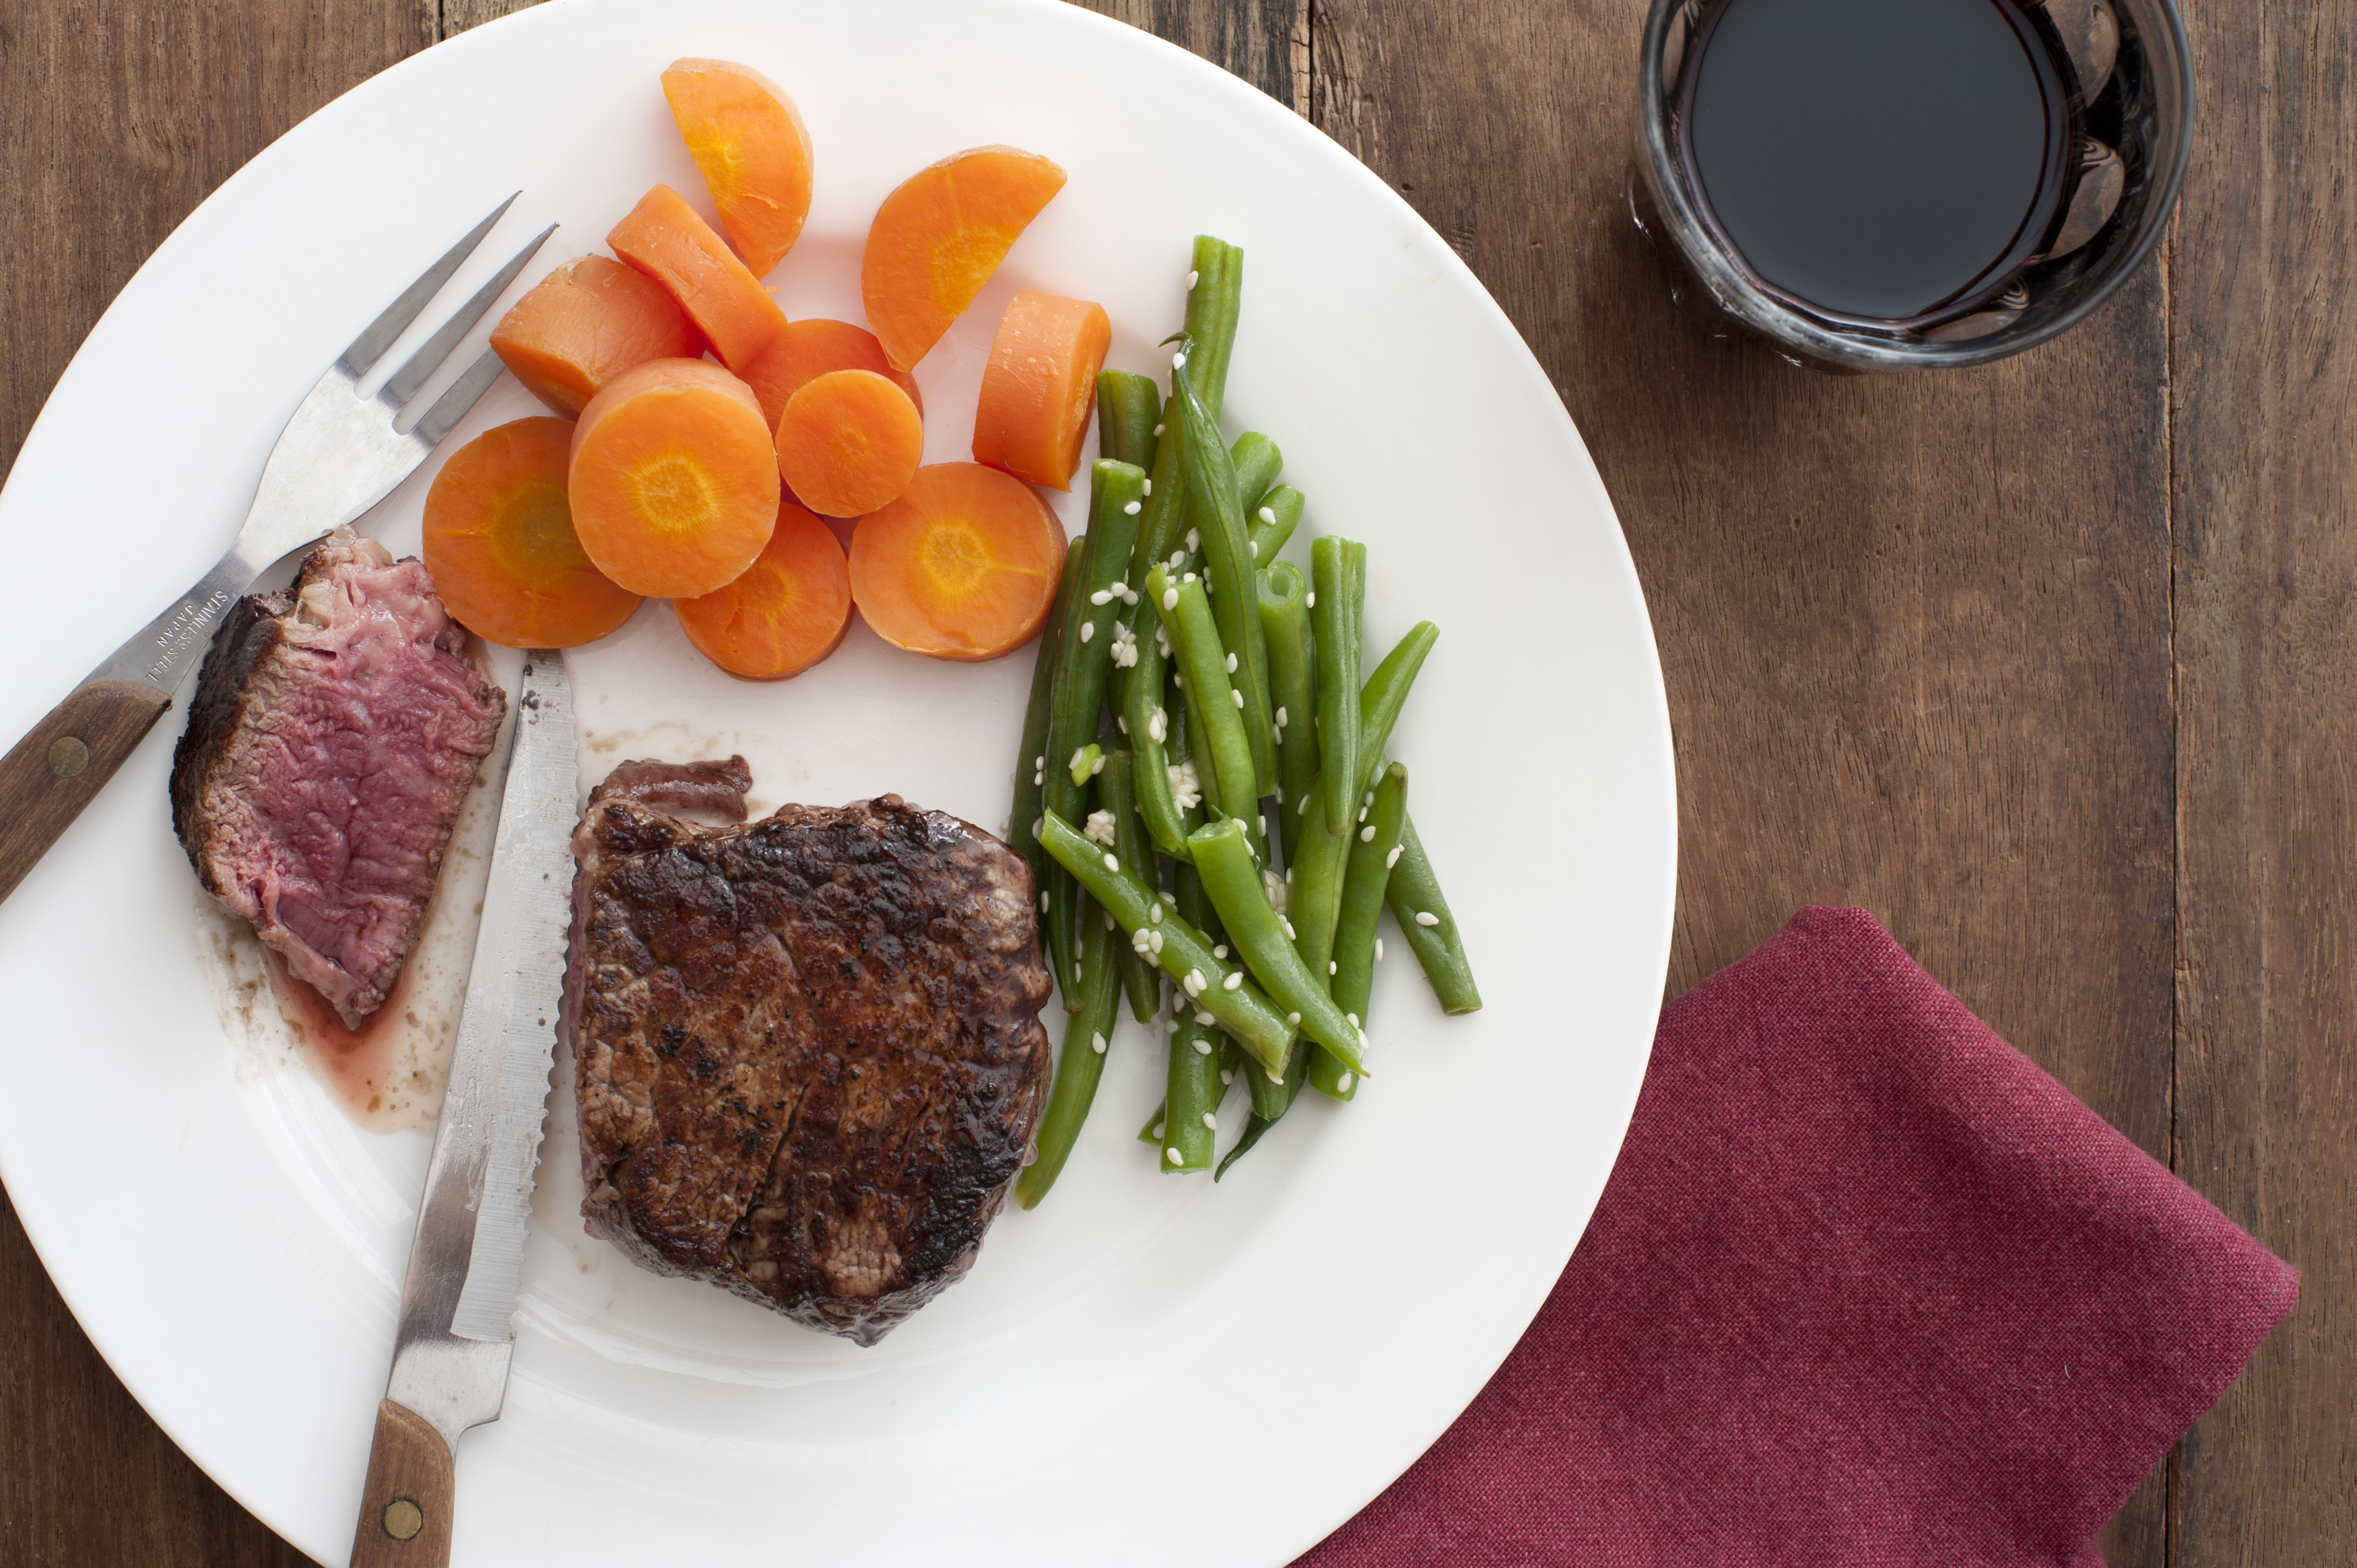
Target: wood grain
x=410, y=1496
x=116, y=118
x=2267, y=577
x=47, y=778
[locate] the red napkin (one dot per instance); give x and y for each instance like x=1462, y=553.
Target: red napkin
x=1866, y=1287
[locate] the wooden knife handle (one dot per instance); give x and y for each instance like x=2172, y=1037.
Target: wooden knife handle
x=54, y=772
x=405, y=1508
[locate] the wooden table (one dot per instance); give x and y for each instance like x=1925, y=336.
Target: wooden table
x=2051, y=665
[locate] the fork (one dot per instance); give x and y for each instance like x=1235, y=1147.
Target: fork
x=339, y=455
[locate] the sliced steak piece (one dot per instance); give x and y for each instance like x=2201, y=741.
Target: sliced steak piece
x=809, y=1053
x=334, y=732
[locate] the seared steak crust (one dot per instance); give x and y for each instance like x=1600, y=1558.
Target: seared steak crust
x=809, y=1055
x=334, y=732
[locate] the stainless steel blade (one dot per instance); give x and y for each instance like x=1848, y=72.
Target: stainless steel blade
x=466, y=1263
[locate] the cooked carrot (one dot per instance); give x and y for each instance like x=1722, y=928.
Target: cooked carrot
x=810, y=347
x=937, y=238
x=964, y=565
x=786, y=613
x=501, y=547
x=585, y=323
x=748, y=137
x=849, y=442
x=673, y=478
x=1039, y=386
x=665, y=238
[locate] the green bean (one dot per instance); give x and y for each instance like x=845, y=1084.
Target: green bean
x=1116, y=797
x=1192, y=1091
x=1412, y=893
x=1257, y=463
x=1078, y=1066
x=1217, y=517
x=1232, y=1061
x=1128, y=408
x=1337, y=578
x=1184, y=953
x=1213, y=301
x=1149, y=723
x=1211, y=698
x=1087, y=762
x=1386, y=693
x=1272, y=1096
x=1081, y=653
x=1223, y=858
x=1284, y=621
x=1057, y=891
x=1273, y=519
x=1372, y=849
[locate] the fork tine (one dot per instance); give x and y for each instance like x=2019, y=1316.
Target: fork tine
x=370, y=345
x=457, y=398
x=428, y=359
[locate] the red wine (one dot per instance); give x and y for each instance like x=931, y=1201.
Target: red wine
x=1879, y=162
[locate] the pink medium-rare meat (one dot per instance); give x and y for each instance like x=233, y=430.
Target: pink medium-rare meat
x=808, y=1051
x=334, y=732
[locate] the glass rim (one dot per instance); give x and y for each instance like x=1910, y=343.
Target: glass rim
x=1691, y=231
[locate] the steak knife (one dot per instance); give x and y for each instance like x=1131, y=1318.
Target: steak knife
x=466, y=1263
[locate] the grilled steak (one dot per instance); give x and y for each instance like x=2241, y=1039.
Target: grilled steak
x=808, y=1048
x=334, y=732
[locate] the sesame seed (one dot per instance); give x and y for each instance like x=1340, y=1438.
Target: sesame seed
x=1149, y=487
x=1392, y=859
x=1156, y=938
x=1353, y=1018
x=1312, y=601
x=1232, y=663
x=1157, y=430
x=1153, y=914
x=1333, y=968
x=1367, y=833
x=1043, y=903
x=1252, y=545
x=1174, y=1029
x=1176, y=1157
x=1205, y=1019
x=1101, y=596
x=1108, y=919
x=1192, y=276
x=1038, y=762
x=1178, y=362
x=1303, y=808
x=1202, y=1048
x=1290, y=935
x=1169, y=598
x=1076, y=758
x=1131, y=509
x=1220, y=950
x=1088, y=629
x=1280, y=724
x=1379, y=950
x=1157, y=728
x=1194, y=540
x=1097, y=766
x=1211, y=1121
x=1157, y=1130
x=1277, y=1078
x=1363, y=810
x=1238, y=695
x=1113, y=863
x=1294, y=1018
x=1268, y=514
x=1096, y=1044
x=1343, y=1084
x=1194, y=982
x=1188, y=578
x=1233, y=981
x=1427, y=918
x=1121, y=724
x=1038, y=826
x=1227, y=1075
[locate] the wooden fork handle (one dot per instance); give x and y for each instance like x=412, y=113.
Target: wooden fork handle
x=54, y=771
x=412, y=1484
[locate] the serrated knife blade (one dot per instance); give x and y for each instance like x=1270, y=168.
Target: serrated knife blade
x=466, y=1262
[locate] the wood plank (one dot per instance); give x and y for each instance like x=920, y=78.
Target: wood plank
x=2266, y=574
x=116, y=118
x=1915, y=630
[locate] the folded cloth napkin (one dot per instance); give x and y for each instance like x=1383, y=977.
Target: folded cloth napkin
x=1866, y=1287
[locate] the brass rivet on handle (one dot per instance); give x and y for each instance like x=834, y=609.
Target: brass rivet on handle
x=68, y=757
x=402, y=1518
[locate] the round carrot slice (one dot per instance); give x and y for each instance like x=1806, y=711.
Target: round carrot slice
x=501, y=548
x=786, y=613
x=849, y=442
x=964, y=565
x=810, y=347
x=585, y=323
x=673, y=478
x=1039, y=386
x=748, y=137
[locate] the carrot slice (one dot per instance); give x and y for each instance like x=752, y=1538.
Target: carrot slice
x=964, y=565
x=500, y=543
x=786, y=613
x=663, y=237
x=1039, y=386
x=748, y=137
x=673, y=478
x=810, y=347
x=585, y=323
x=848, y=443
x=937, y=238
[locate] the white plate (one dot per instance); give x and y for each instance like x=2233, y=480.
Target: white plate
x=1146, y=1368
